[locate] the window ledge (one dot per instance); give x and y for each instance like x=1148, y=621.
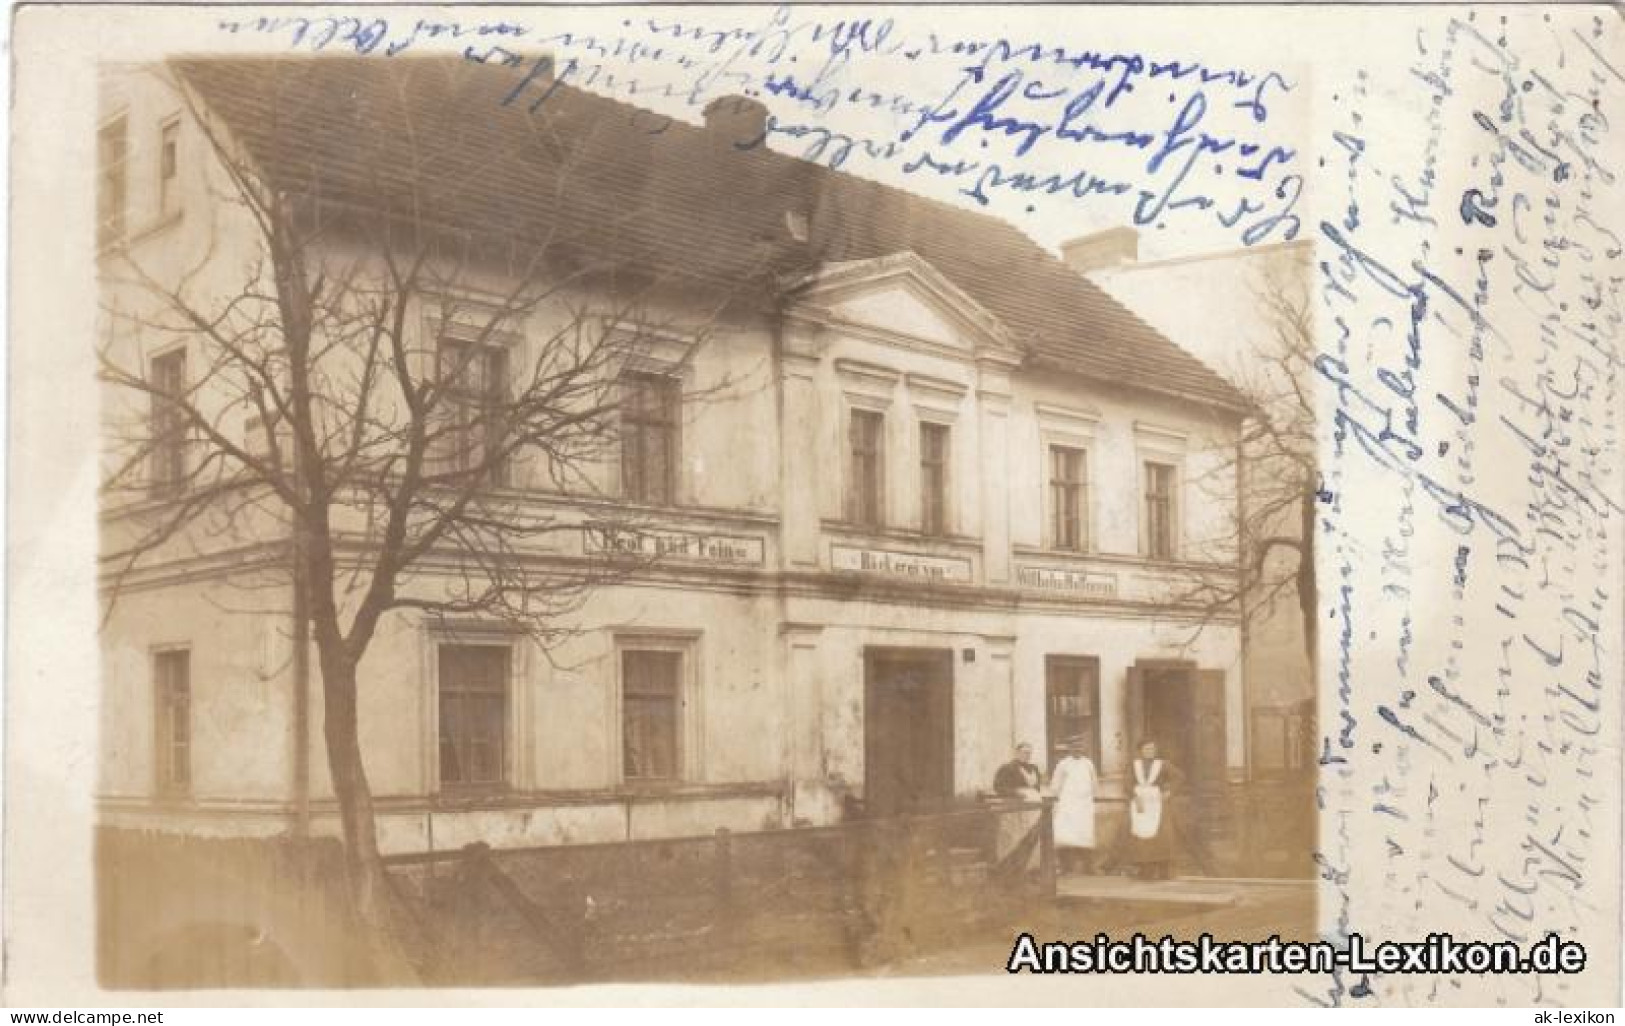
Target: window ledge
x=474, y=799
x=1051, y=552
x=155, y=227
x=472, y=792
x=901, y=534
x=673, y=512
x=1131, y=559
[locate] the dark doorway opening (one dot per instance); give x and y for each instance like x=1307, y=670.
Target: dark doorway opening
x=908, y=730
x=1182, y=708
x=1168, y=713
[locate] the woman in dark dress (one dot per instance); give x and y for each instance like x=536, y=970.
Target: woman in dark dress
x=1018, y=778
x=1151, y=827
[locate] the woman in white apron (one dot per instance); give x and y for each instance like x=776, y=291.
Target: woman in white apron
x=1073, y=785
x=1150, y=845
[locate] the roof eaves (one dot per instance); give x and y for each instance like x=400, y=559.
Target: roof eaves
x=1224, y=397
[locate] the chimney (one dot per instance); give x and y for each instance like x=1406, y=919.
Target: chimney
x=737, y=120
x=1101, y=250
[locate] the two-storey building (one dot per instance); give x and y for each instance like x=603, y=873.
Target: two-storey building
x=941, y=494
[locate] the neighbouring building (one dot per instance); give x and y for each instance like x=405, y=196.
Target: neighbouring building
x=943, y=495
x=1231, y=316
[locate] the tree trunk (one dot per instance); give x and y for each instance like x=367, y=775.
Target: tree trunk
x=341, y=729
x=364, y=866
x=1308, y=595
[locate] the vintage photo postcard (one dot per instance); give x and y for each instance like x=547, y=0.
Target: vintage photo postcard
x=909, y=504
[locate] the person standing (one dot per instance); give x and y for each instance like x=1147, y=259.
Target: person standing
x=1073, y=785
x=1151, y=828
x=1018, y=778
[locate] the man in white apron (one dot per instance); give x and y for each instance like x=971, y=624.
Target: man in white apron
x=1073, y=785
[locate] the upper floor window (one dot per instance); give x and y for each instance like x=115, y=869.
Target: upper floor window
x=473, y=714
x=167, y=421
x=112, y=151
x=1160, y=499
x=934, y=450
x=475, y=378
x=172, y=701
x=265, y=439
x=868, y=482
x=649, y=405
x=1068, y=497
x=169, y=143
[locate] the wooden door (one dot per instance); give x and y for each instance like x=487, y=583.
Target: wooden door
x=908, y=730
x=1133, y=716
x=1208, y=757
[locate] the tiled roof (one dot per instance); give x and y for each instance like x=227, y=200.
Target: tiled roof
x=600, y=179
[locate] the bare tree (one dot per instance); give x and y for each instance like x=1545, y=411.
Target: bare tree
x=1274, y=471
x=400, y=381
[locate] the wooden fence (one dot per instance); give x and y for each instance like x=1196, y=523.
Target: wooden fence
x=188, y=912
x=788, y=901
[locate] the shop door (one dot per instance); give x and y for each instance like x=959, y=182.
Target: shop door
x=908, y=730
x=1182, y=709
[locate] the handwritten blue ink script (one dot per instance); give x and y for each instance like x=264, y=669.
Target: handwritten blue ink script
x=1043, y=127
x=1468, y=275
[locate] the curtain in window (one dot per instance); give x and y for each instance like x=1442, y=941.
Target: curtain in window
x=650, y=713
x=649, y=438
x=473, y=713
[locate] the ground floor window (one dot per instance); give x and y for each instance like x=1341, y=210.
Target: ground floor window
x=172, y=693
x=1072, y=701
x=1283, y=740
x=473, y=714
x=651, y=713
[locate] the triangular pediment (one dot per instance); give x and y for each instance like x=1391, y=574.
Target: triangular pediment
x=900, y=296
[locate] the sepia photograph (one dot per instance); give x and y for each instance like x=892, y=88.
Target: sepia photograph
x=566, y=543
x=696, y=497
